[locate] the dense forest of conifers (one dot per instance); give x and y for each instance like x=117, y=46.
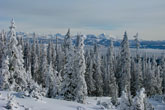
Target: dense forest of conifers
x=68, y=71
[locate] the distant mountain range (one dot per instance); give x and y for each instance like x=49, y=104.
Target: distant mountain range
x=92, y=39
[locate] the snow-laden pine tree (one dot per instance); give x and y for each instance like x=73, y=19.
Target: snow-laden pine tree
x=140, y=101
x=67, y=42
x=54, y=55
x=133, y=76
x=158, y=80
x=124, y=73
x=49, y=78
x=137, y=43
x=162, y=72
x=104, y=70
x=79, y=66
x=43, y=67
x=111, y=88
x=150, y=81
x=124, y=103
x=60, y=60
x=16, y=67
x=27, y=56
x=20, y=41
x=2, y=43
x=136, y=75
x=69, y=77
x=139, y=79
x=89, y=73
x=57, y=85
x=4, y=74
x=148, y=77
x=97, y=74
x=65, y=47
x=34, y=60
x=144, y=67
x=4, y=64
x=57, y=56
x=51, y=52
x=38, y=48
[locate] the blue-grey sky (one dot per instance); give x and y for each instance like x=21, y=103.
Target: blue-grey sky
x=87, y=16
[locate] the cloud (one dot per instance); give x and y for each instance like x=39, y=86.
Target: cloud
x=86, y=16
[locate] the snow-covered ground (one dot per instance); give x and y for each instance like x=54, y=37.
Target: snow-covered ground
x=28, y=103
x=157, y=105
x=47, y=103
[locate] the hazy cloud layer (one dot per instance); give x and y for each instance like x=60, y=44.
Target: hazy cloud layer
x=87, y=16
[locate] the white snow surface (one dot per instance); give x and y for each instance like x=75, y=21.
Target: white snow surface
x=157, y=105
x=47, y=103
x=27, y=103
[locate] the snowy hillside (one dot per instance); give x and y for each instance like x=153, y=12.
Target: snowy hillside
x=27, y=103
x=47, y=103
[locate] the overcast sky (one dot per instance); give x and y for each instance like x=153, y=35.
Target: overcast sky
x=87, y=17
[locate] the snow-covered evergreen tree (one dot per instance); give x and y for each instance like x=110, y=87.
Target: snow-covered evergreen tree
x=89, y=73
x=136, y=75
x=20, y=41
x=69, y=77
x=49, y=79
x=57, y=85
x=4, y=74
x=124, y=103
x=27, y=56
x=162, y=72
x=97, y=74
x=158, y=80
x=124, y=73
x=140, y=101
x=4, y=64
x=2, y=43
x=137, y=43
x=43, y=67
x=67, y=42
x=16, y=67
x=133, y=76
x=60, y=60
x=150, y=78
x=50, y=52
x=111, y=88
x=34, y=60
x=137, y=78
x=144, y=67
x=79, y=66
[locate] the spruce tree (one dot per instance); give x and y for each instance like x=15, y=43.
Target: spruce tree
x=89, y=73
x=97, y=74
x=111, y=86
x=16, y=67
x=43, y=67
x=34, y=60
x=79, y=66
x=162, y=72
x=124, y=82
x=69, y=77
x=27, y=54
x=4, y=74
